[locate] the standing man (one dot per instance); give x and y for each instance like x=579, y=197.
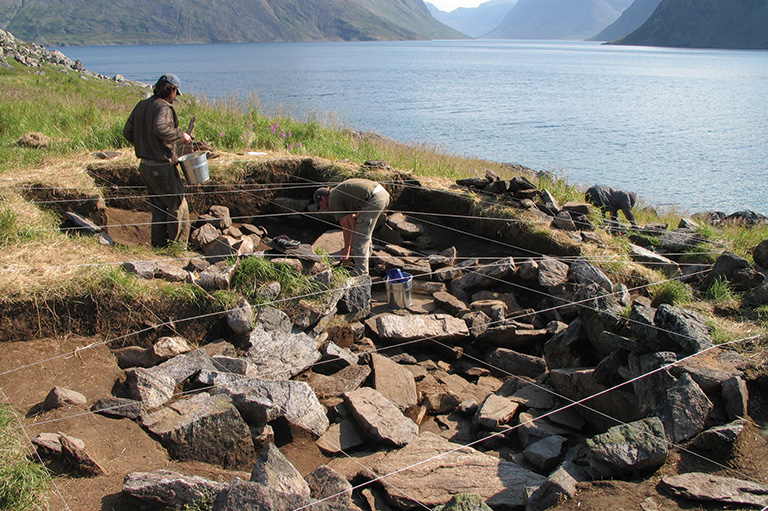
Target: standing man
x=153, y=130
x=356, y=204
x=612, y=200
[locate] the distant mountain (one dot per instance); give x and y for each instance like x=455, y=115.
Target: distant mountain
x=474, y=21
x=104, y=22
x=558, y=19
x=734, y=24
x=631, y=19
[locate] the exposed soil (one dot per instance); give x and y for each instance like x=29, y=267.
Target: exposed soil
x=41, y=355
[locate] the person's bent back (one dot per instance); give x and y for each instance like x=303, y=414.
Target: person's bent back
x=612, y=200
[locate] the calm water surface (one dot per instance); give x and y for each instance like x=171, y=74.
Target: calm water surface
x=686, y=128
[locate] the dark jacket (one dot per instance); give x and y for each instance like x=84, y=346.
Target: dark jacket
x=153, y=130
x=612, y=200
x=347, y=197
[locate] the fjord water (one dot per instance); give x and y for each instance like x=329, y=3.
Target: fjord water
x=682, y=127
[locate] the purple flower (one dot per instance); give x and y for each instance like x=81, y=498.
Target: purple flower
x=298, y=145
x=290, y=147
x=222, y=134
x=289, y=133
x=282, y=134
x=274, y=127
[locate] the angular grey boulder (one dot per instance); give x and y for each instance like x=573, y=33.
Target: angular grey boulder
x=272, y=469
x=708, y=487
x=170, y=489
x=685, y=410
x=627, y=448
x=515, y=363
x=248, y=496
x=279, y=355
x=268, y=399
x=685, y=328
x=325, y=483
x=440, y=469
x=395, y=382
x=379, y=418
x=393, y=328
x=204, y=428
x=149, y=387
x=59, y=396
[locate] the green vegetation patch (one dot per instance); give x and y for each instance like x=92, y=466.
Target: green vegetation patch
x=23, y=483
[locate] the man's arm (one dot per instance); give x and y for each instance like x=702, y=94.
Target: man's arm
x=128, y=129
x=348, y=226
x=627, y=209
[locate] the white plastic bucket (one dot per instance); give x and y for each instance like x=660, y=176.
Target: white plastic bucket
x=195, y=167
x=399, y=287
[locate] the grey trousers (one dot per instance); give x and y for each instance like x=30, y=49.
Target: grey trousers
x=365, y=223
x=170, y=213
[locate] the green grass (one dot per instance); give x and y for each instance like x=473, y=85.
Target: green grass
x=557, y=184
x=671, y=292
x=23, y=483
x=253, y=272
x=720, y=291
x=14, y=228
x=89, y=115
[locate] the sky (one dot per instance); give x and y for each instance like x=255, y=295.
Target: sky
x=449, y=5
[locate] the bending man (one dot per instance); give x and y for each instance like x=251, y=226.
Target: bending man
x=612, y=200
x=153, y=130
x=356, y=205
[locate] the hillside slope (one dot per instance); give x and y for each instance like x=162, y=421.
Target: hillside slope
x=100, y=22
x=558, y=19
x=630, y=20
x=474, y=21
x=737, y=24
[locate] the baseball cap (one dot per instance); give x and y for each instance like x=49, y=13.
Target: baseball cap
x=173, y=80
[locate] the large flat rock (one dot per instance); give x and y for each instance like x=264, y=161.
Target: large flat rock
x=393, y=328
x=379, y=418
x=440, y=469
x=708, y=487
x=278, y=355
x=265, y=400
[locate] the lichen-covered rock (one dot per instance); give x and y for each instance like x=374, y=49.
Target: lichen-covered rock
x=627, y=448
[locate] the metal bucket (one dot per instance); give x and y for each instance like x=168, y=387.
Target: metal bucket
x=399, y=287
x=195, y=167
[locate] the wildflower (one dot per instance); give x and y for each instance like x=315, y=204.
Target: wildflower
x=290, y=147
x=289, y=133
x=282, y=134
x=274, y=128
x=222, y=134
x=298, y=145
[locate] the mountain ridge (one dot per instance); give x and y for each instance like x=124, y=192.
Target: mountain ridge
x=737, y=24
x=629, y=21
x=558, y=19
x=99, y=22
x=474, y=21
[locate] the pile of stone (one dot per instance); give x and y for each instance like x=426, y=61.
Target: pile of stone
x=521, y=193
x=511, y=395
x=217, y=239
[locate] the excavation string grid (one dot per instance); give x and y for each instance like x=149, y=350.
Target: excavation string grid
x=468, y=444
x=501, y=370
